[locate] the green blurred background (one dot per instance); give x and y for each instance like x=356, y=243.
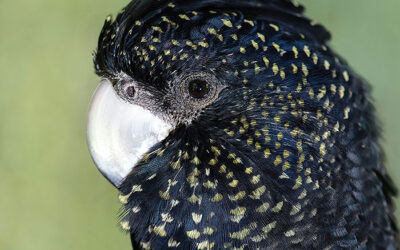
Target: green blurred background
x=51, y=195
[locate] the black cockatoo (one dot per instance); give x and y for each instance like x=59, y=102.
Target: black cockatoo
x=230, y=124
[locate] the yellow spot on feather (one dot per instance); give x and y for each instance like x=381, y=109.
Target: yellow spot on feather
x=227, y=23
x=193, y=234
x=275, y=27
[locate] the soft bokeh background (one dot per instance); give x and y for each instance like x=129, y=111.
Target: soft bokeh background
x=51, y=195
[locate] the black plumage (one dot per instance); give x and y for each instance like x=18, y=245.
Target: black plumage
x=286, y=155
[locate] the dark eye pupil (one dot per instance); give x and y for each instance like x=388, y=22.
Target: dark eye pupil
x=130, y=91
x=198, y=88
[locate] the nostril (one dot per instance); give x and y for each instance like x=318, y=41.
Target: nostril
x=130, y=91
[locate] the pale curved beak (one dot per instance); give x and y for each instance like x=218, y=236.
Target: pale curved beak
x=120, y=133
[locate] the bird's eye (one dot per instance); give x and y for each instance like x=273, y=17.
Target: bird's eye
x=198, y=88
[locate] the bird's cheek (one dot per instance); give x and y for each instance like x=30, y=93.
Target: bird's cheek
x=120, y=133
